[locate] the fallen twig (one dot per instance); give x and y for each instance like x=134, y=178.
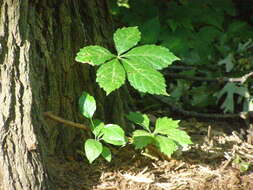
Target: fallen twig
x=174, y=107
x=207, y=79
x=50, y=115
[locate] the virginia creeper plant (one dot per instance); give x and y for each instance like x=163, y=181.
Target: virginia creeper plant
x=110, y=133
x=140, y=65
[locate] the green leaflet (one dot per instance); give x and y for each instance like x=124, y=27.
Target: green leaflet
x=164, y=123
x=106, y=153
x=168, y=127
x=157, y=57
x=165, y=145
x=93, y=55
x=126, y=38
x=92, y=149
x=144, y=78
x=114, y=134
x=142, y=138
x=110, y=76
x=97, y=128
x=179, y=136
x=87, y=105
x=140, y=119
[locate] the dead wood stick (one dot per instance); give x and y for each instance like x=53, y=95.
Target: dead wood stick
x=174, y=107
x=206, y=79
x=50, y=115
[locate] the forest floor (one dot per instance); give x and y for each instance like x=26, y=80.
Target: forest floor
x=218, y=160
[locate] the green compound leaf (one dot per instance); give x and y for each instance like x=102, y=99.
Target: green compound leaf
x=87, y=105
x=139, y=119
x=230, y=89
x=114, y=134
x=157, y=57
x=144, y=78
x=165, y=145
x=164, y=124
x=142, y=138
x=106, y=153
x=126, y=38
x=93, y=55
x=92, y=149
x=111, y=75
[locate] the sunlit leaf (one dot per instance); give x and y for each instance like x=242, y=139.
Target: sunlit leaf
x=106, y=153
x=114, y=134
x=165, y=145
x=92, y=149
x=126, y=38
x=87, y=105
x=144, y=78
x=97, y=128
x=179, y=136
x=93, y=55
x=164, y=124
x=157, y=57
x=110, y=76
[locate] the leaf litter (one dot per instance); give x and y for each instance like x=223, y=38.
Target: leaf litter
x=216, y=161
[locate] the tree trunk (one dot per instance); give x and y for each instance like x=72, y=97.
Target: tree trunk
x=38, y=43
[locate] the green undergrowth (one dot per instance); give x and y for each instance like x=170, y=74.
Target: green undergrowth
x=212, y=44
x=140, y=65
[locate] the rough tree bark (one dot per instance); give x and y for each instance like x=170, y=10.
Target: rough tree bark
x=38, y=42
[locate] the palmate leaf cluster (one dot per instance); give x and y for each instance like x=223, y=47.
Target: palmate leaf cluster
x=139, y=65
x=166, y=136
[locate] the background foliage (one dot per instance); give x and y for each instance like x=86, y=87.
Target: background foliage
x=212, y=43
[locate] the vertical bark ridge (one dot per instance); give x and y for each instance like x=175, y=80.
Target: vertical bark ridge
x=20, y=155
x=39, y=40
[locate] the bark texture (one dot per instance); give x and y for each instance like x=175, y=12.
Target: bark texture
x=38, y=43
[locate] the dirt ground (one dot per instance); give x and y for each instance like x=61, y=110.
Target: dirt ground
x=218, y=160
